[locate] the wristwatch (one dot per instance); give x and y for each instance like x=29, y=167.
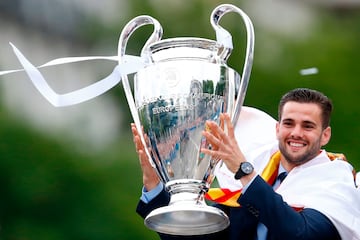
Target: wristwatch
x=245, y=169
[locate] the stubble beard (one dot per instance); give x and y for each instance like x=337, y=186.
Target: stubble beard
x=300, y=159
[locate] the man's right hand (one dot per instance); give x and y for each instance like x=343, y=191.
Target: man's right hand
x=150, y=178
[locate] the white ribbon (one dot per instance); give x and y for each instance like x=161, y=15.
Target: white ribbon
x=224, y=38
x=130, y=64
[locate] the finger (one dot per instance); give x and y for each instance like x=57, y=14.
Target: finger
x=213, y=153
x=215, y=129
x=134, y=130
x=147, y=140
x=217, y=137
x=229, y=126
x=222, y=121
x=225, y=135
x=214, y=141
x=136, y=138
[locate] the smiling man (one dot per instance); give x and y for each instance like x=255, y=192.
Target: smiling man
x=307, y=203
x=292, y=189
x=304, y=126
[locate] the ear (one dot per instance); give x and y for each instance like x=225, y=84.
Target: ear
x=277, y=129
x=326, y=135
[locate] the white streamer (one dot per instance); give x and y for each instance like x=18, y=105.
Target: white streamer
x=224, y=37
x=130, y=64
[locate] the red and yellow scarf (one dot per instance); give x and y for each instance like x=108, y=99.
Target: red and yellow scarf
x=227, y=197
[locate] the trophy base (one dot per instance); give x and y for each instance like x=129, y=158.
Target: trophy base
x=187, y=219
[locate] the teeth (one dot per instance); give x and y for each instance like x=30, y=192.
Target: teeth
x=296, y=144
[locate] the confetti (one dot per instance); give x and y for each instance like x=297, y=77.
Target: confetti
x=309, y=71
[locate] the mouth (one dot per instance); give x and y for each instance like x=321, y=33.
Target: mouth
x=296, y=145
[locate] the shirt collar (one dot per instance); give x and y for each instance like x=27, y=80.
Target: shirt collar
x=281, y=169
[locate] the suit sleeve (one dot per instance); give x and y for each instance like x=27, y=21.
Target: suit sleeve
x=282, y=221
x=163, y=199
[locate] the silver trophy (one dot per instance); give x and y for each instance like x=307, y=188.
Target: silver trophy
x=185, y=83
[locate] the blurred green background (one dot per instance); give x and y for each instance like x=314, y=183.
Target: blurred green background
x=72, y=173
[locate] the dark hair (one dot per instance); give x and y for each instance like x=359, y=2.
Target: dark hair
x=305, y=95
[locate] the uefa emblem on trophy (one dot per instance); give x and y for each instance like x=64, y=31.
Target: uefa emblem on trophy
x=179, y=84
x=185, y=83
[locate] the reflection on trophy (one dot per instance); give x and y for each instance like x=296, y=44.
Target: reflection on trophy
x=185, y=83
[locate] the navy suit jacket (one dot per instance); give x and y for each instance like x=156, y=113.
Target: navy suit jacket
x=259, y=204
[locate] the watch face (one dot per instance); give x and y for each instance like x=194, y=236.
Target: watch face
x=246, y=167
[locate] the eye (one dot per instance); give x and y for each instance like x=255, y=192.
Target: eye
x=309, y=126
x=287, y=123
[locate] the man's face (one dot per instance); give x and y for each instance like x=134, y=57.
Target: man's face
x=300, y=132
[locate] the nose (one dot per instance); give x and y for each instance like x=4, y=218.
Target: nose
x=297, y=131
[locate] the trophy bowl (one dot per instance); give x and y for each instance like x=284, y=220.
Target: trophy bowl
x=185, y=83
x=174, y=98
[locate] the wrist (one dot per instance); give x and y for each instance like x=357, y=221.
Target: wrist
x=150, y=185
x=245, y=169
x=248, y=178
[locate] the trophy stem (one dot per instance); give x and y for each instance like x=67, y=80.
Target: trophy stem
x=187, y=213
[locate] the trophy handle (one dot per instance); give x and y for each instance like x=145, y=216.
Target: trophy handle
x=156, y=35
x=225, y=38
